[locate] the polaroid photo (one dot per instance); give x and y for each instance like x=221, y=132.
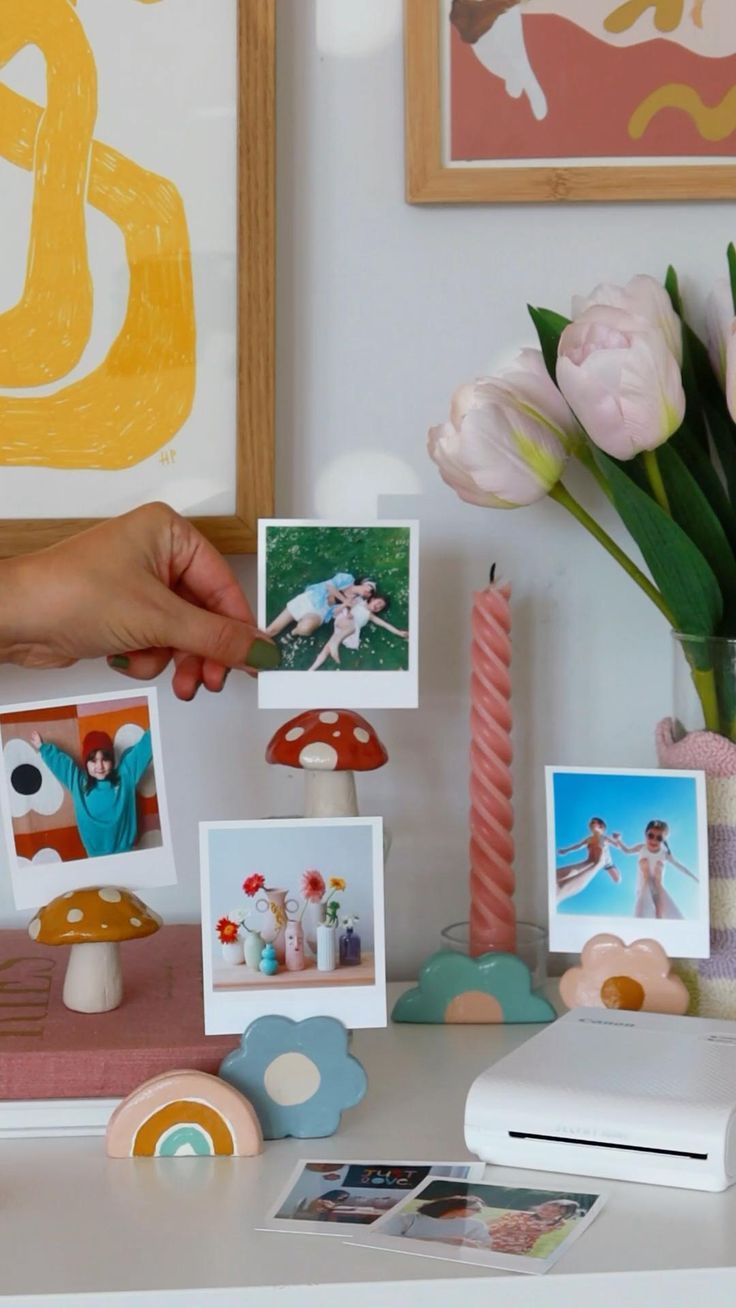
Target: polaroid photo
x=627, y=853
x=519, y=1230
x=331, y=1198
x=292, y=921
x=82, y=797
x=342, y=603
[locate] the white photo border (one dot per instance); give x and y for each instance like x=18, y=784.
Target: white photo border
x=38, y=883
x=357, y=690
x=231, y=1012
x=680, y=939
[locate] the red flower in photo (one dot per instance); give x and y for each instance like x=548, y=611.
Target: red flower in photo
x=253, y=884
x=312, y=885
x=227, y=931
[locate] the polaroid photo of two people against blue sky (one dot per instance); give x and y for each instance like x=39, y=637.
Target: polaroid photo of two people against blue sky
x=627, y=853
x=342, y=603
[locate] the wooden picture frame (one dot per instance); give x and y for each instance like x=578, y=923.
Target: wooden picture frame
x=429, y=179
x=237, y=532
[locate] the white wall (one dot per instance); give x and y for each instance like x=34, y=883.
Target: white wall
x=382, y=309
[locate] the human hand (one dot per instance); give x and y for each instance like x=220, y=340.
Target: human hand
x=142, y=589
x=36, y=740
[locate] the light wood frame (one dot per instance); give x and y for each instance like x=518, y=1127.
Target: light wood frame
x=429, y=180
x=232, y=533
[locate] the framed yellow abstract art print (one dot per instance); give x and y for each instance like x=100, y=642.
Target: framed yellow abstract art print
x=136, y=264
x=570, y=100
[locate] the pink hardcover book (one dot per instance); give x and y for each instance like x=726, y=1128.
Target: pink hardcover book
x=48, y=1052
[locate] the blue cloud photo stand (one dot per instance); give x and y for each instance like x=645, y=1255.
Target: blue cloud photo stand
x=454, y=988
x=299, y=1076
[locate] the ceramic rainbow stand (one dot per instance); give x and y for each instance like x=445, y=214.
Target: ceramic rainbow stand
x=184, y=1113
x=299, y=1076
x=493, y=987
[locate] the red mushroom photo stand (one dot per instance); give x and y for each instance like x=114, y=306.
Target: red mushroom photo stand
x=330, y=746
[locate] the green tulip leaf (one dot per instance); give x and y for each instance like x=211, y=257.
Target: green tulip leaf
x=550, y=326
x=731, y=256
x=691, y=510
x=683, y=576
x=701, y=468
x=721, y=429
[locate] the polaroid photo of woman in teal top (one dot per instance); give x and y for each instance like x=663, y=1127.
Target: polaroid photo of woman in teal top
x=341, y=603
x=82, y=795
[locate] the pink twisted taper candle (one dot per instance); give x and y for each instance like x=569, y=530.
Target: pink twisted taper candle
x=492, y=881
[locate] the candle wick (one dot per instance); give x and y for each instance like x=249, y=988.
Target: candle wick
x=492, y=573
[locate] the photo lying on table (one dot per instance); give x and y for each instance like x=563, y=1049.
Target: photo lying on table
x=82, y=795
x=292, y=921
x=341, y=602
x=330, y=1198
x=521, y=1230
x=627, y=853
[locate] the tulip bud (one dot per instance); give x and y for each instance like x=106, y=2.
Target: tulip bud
x=621, y=380
x=508, y=438
x=644, y=298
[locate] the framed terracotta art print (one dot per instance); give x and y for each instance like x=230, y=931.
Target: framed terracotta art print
x=136, y=269
x=544, y=100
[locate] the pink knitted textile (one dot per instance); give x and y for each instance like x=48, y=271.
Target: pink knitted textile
x=702, y=751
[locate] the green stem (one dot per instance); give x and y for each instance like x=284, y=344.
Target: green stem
x=655, y=480
x=705, y=684
x=562, y=495
x=584, y=453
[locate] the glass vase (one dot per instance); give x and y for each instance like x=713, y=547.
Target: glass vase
x=701, y=735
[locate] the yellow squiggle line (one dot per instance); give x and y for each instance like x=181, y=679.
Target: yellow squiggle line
x=714, y=123
x=667, y=15
x=142, y=392
x=44, y=335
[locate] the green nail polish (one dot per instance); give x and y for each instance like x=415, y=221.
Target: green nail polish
x=263, y=656
x=119, y=661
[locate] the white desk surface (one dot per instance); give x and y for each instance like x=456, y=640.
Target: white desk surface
x=181, y=1230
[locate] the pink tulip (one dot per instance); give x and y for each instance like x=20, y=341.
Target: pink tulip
x=621, y=381
x=508, y=438
x=644, y=298
x=721, y=329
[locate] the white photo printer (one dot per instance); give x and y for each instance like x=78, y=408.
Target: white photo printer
x=635, y=1096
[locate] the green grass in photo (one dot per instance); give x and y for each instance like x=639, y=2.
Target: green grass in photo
x=297, y=557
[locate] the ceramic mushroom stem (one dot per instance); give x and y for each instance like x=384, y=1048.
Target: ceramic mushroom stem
x=330, y=746
x=93, y=921
x=94, y=977
x=329, y=794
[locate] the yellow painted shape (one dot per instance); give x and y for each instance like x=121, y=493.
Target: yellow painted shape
x=142, y=393
x=179, y=1113
x=667, y=15
x=696, y=13
x=44, y=335
x=714, y=123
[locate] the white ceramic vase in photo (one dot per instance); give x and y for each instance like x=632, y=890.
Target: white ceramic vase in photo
x=253, y=946
x=326, y=948
x=232, y=952
x=314, y=916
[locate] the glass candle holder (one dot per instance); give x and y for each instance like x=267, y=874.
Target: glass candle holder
x=531, y=946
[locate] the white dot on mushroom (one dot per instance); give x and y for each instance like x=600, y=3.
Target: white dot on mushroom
x=34, y=928
x=361, y=734
x=328, y=717
x=135, y=921
x=110, y=895
x=74, y=915
x=294, y=734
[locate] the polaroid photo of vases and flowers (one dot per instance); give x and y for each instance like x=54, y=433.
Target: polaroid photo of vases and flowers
x=292, y=921
x=518, y=1229
x=342, y=604
x=338, y=1198
x=82, y=795
x=628, y=853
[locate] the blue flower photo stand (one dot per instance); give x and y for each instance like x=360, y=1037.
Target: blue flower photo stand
x=454, y=988
x=299, y=1076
